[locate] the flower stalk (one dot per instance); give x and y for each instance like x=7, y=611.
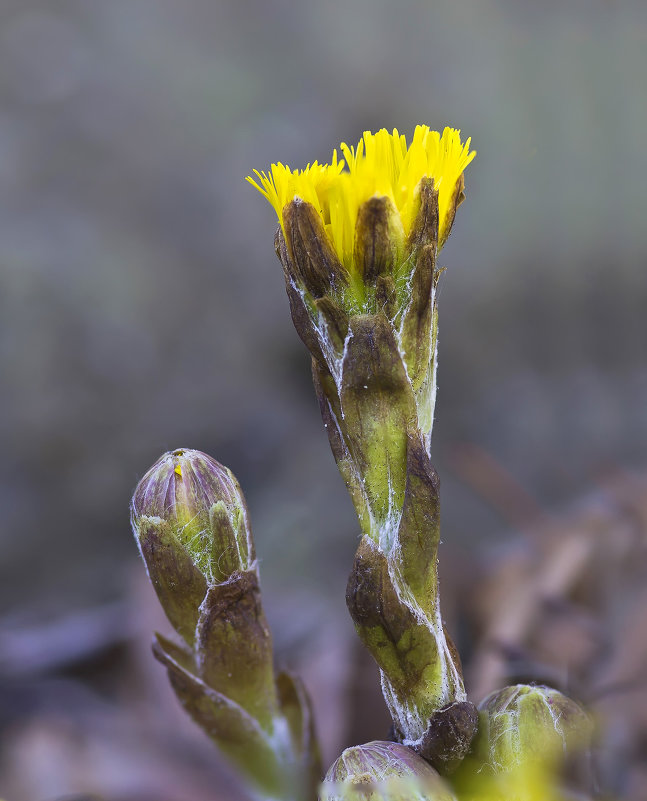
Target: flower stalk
x=191, y=525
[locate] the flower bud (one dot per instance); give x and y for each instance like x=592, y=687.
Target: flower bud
x=525, y=724
x=383, y=771
x=204, y=506
x=190, y=521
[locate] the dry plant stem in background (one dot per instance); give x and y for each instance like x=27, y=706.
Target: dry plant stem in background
x=359, y=251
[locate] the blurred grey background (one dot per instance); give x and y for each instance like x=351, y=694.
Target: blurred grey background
x=142, y=307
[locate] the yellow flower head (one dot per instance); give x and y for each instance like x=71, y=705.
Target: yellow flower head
x=381, y=165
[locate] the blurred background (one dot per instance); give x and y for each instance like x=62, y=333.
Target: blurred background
x=142, y=309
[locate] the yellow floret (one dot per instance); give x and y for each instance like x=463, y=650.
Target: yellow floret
x=381, y=164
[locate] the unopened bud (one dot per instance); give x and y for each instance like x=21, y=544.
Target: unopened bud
x=203, y=504
x=383, y=771
x=526, y=724
x=190, y=521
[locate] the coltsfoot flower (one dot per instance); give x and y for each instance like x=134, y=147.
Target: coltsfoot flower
x=358, y=240
x=360, y=236
x=376, y=188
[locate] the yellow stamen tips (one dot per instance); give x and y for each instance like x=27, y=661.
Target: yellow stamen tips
x=381, y=165
x=178, y=470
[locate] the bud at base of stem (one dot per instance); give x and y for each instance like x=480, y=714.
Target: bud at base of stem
x=529, y=723
x=383, y=771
